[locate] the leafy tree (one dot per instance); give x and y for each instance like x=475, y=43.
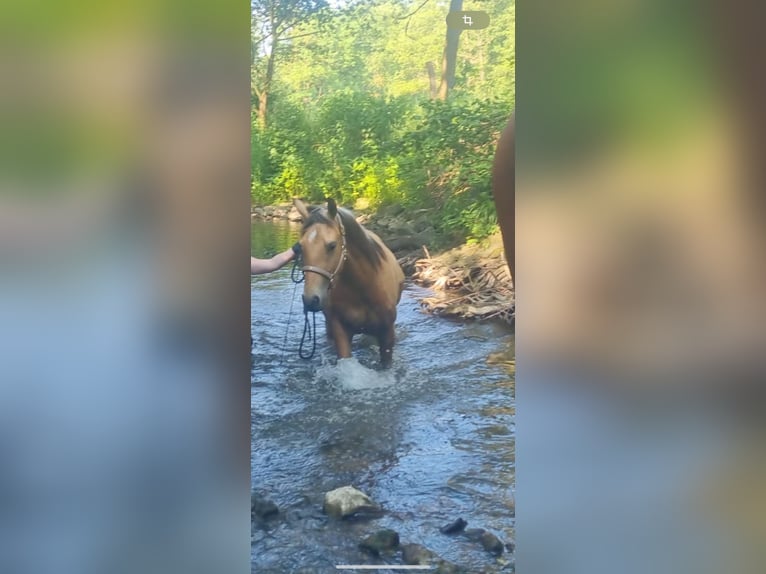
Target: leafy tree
x=272, y=20
x=352, y=112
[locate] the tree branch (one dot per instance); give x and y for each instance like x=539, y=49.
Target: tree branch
x=302, y=35
x=411, y=14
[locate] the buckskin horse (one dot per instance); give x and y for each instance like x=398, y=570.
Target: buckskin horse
x=504, y=191
x=351, y=276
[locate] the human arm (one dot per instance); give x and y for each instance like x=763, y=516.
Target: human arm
x=261, y=266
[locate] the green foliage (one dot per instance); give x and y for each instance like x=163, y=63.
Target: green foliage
x=451, y=151
x=350, y=115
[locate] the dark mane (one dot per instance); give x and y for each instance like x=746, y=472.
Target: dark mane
x=357, y=240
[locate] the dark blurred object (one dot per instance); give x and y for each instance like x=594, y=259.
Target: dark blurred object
x=641, y=352
x=297, y=249
x=503, y=191
x=124, y=219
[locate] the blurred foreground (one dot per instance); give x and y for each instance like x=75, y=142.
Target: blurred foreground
x=640, y=294
x=123, y=300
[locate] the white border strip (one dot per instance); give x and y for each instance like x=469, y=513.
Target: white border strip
x=382, y=567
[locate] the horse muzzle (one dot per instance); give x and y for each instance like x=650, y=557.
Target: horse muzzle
x=312, y=303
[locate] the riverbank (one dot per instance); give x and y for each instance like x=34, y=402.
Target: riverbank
x=469, y=281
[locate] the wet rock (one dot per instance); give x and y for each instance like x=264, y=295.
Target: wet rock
x=454, y=527
x=474, y=534
x=262, y=508
x=422, y=223
x=415, y=554
x=445, y=567
x=491, y=543
x=510, y=547
x=397, y=227
x=293, y=215
x=391, y=210
x=381, y=541
x=347, y=501
x=383, y=223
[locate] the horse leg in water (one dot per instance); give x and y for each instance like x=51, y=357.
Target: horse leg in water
x=338, y=333
x=504, y=191
x=386, y=343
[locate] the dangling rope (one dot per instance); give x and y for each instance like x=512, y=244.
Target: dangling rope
x=309, y=330
x=297, y=274
x=287, y=329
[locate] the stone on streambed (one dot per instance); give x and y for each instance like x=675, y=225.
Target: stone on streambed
x=474, y=534
x=453, y=527
x=491, y=543
x=348, y=501
x=415, y=554
x=445, y=567
x=381, y=541
x=262, y=508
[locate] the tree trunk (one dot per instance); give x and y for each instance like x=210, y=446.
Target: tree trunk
x=263, y=97
x=262, y=103
x=431, y=69
x=449, y=58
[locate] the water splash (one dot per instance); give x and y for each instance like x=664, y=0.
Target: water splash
x=350, y=374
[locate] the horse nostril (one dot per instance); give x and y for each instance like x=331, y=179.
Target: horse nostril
x=311, y=303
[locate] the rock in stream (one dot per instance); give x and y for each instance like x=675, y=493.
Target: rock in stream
x=415, y=554
x=262, y=508
x=348, y=501
x=474, y=534
x=491, y=543
x=454, y=527
x=380, y=541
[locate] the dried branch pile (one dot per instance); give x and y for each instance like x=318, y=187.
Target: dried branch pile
x=471, y=282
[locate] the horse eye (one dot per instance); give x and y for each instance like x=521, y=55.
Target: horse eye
x=332, y=245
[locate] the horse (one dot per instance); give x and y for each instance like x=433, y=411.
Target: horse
x=351, y=276
x=504, y=191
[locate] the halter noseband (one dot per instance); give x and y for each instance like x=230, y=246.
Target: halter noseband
x=343, y=257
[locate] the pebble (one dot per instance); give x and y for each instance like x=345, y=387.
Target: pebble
x=262, y=508
x=491, y=543
x=474, y=534
x=380, y=541
x=454, y=527
x=415, y=554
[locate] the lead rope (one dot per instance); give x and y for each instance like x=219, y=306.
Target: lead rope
x=297, y=277
x=311, y=331
x=287, y=329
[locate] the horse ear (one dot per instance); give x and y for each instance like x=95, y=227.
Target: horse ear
x=301, y=207
x=332, y=208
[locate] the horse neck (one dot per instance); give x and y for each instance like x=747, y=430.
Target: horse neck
x=356, y=267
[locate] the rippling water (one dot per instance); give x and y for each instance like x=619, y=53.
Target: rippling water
x=430, y=440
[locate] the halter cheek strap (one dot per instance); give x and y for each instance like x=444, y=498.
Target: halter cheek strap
x=343, y=257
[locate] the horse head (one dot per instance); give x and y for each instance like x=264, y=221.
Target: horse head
x=323, y=244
